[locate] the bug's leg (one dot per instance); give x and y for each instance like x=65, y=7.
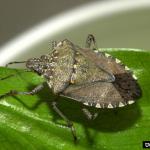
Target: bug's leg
x=89, y=115
x=69, y=123
x=32, y=92
x=95, y=115
x=11, y=75
x=90, y=42
x=14, y=62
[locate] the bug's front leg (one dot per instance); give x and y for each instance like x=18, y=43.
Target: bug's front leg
x=32, y=92
x=90, y=42
x=69, y=123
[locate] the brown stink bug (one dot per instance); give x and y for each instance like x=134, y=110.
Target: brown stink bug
x=86, y=75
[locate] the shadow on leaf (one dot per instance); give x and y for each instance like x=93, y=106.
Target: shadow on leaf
x=108, y=120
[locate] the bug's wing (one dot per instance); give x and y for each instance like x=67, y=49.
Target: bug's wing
x=97, y=94
x=87, y=71
x=124, y=90
x=102, y=94
x=125, y=80
x=100, y=60
x=108, y=63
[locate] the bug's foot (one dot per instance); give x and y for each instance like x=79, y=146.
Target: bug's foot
x=70, y=125
x=10, y=93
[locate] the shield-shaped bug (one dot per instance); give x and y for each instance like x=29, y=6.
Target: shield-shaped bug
x=86, y=75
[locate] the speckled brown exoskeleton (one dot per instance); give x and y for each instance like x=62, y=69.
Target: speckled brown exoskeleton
x=86, y=75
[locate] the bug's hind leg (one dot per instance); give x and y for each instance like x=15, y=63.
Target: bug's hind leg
x=88, y=114
x=90, y=42
x=69, y=123
x=32, y=92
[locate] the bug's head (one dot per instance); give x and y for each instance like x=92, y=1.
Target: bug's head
x=34, y=64
x=40, y=65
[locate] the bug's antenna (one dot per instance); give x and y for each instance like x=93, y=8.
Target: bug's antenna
x=14, y=62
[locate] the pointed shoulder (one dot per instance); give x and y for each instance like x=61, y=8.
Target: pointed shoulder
x=62, y=66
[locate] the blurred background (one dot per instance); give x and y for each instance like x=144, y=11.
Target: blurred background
x=28, y=27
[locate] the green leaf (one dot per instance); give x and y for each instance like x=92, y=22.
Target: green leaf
x=30, y=123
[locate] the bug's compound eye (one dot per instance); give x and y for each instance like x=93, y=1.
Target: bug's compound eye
x=45, y=58
x=29, y=64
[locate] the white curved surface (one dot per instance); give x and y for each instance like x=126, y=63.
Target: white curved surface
x=63, y=21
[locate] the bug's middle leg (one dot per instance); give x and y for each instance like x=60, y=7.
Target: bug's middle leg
x=69, y=123
x=32, y=92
